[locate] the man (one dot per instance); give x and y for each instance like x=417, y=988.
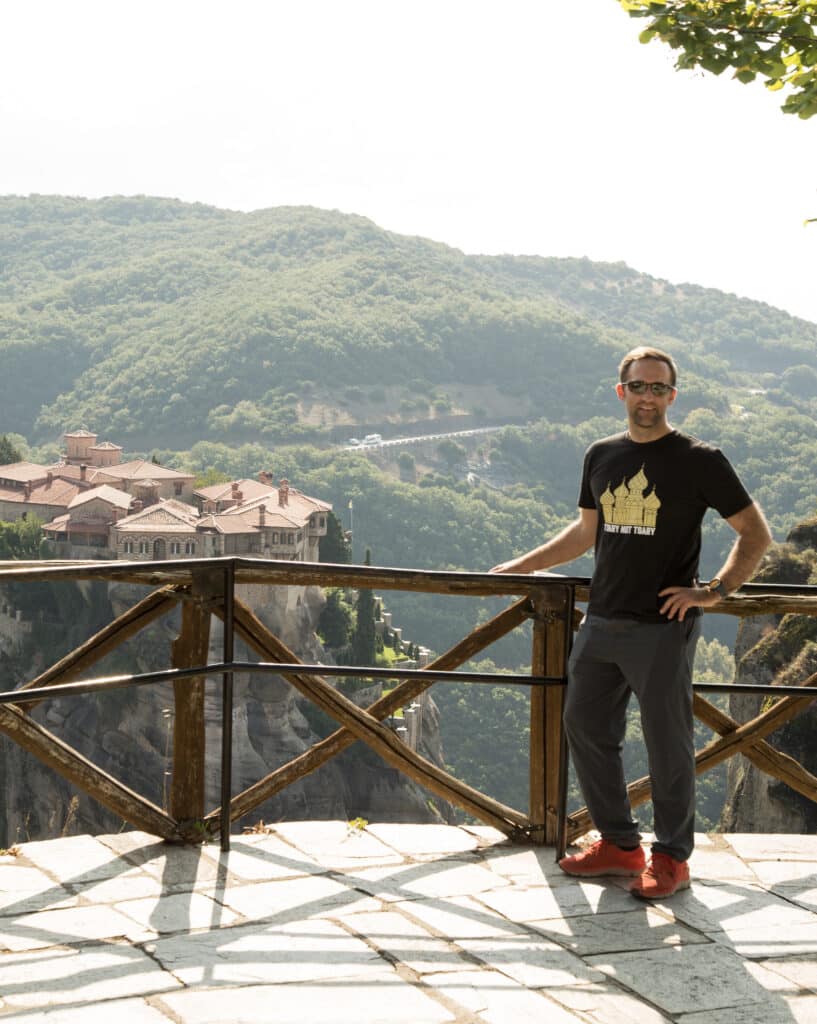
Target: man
x=642, y=499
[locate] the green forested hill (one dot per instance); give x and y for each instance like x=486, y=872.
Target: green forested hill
x=188, y=329
x=226, y=342
x=140, y=315
x=150, y=318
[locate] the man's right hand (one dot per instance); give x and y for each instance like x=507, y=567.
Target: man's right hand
x=511, y=566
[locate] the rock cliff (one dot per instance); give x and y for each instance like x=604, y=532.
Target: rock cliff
x=129, y=732
x=780, y=650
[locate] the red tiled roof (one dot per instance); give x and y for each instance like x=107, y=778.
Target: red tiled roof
x=166, y=516
x=248, y=521
x=23, y=472
x=251, y=489
x=60, y=492
x=106, y=493
x=142, y=468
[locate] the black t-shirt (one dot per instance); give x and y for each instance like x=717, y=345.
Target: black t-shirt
x=651, y=498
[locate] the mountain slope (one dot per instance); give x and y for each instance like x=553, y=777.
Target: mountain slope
x=149, y=319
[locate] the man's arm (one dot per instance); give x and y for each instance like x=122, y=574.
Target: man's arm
x=573, y=541
x=753, y=537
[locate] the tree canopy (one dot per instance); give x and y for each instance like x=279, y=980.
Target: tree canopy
x=770, y=40
x=8, y=453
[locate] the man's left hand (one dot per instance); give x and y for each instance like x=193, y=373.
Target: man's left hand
x=680, y=599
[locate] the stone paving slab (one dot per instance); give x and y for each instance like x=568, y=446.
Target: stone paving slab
x=406, y=942
x=732, y=907
x=260, y=858
x=758, y=846
x=526, y=865
x=386, y=999
x=799, y=970
x=428, y=878
x=719, y=865
x=774, y=941
x=88, y=975
x=609, y=1004
x=24, y=890
x=74, y=859
x=299, y=952
x=785, y=872
x=678, y=978
x=532, y=903
x=335, y=844
x=783, y=1010
x=131, y=884
x=317, y=921
x=424, y=840
x=176, y=912
x=132, y=1011
x=176, y=867
x=806, y=898
x=641, y=930
x=64, y=927
x=461, y=917
x=296, y=899
x=533, y=962
x=497, y=999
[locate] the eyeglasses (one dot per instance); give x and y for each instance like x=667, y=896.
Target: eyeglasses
x=638, y=387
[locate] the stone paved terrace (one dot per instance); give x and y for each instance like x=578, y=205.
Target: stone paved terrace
x=400, y=924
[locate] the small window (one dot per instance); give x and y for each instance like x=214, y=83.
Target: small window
x=144, y=547
x=127, y=547
x=190, y=547
x=274, y=536
x=175, y=547
x=177, y=488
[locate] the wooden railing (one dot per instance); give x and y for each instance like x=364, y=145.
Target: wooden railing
x=206, y=587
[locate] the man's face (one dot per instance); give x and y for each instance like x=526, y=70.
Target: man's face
x=647, y=411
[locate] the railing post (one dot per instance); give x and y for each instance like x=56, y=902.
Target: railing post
x=227, y=706
x=537, y=802
x=548, y=656
x=189, y=650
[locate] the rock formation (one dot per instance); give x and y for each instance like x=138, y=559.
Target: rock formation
x=129, y=732
x=783, y=650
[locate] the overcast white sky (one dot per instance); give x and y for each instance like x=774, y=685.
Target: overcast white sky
x=517, y=126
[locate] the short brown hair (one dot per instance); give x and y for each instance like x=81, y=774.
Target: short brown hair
x=645, y=352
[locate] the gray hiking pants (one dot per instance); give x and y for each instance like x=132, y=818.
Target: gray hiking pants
x=612, y=658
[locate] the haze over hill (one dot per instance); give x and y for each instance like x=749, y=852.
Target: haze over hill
x=163, y=323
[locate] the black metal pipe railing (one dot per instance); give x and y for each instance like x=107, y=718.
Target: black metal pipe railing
x=172, y=675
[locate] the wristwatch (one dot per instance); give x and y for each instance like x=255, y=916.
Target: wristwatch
x=715, y=586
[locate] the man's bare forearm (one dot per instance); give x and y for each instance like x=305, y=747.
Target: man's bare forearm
x=573, y=541
x=750, y=545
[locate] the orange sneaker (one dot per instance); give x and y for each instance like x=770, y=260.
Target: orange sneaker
x=604, y=858
x=663, y=877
